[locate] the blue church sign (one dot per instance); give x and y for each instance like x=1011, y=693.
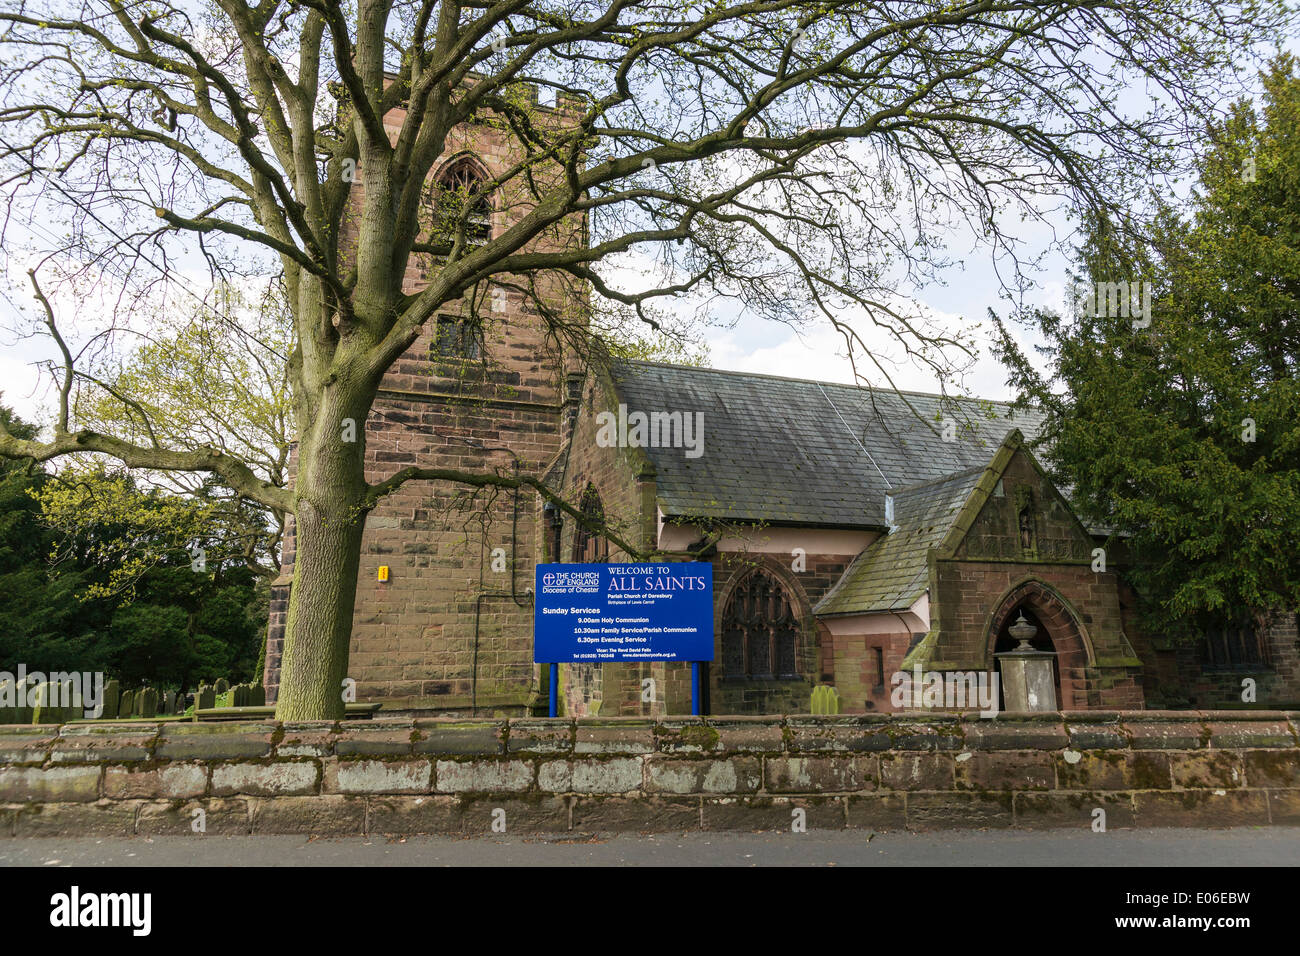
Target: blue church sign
x=588, y=613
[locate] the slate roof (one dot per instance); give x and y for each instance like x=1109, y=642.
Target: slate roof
x=799, y=452
x=892, y=572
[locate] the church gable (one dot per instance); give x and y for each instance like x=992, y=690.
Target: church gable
x=1017, y=514
x=1018, y=547
x=893, y=572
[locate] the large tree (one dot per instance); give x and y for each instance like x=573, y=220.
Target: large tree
x=114, y=590
x=1180, y=428
x=203, y=374
x=802, y=157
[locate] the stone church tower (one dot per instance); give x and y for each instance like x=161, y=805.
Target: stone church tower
x=443, y=615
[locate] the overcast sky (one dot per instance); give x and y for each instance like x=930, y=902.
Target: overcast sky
x=967, y=290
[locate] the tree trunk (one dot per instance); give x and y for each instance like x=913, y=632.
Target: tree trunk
x=329, y=522
x=319, y=625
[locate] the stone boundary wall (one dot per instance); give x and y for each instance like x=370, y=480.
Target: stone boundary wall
x=593, y=775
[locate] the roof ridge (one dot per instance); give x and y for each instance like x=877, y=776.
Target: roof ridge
x=812, y=381
x=942, y=479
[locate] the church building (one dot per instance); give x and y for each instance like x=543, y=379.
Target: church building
x=854, y=533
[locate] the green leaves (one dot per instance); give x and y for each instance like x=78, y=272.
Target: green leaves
x=1185, y=437
x=103, y=520
x=107, y=586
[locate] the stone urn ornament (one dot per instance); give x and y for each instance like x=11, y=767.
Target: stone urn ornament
x=1023, y=632
x=1028, y=675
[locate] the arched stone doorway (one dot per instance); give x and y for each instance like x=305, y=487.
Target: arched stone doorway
x=1059, y=630
x=1041, y=641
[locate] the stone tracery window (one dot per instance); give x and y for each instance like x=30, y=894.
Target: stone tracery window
x=459, y=196
x=1235, y=644
x=759, y=631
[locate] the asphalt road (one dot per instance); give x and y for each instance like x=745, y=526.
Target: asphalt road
x=1275, y=846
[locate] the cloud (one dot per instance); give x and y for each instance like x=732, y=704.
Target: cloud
x=819, y=352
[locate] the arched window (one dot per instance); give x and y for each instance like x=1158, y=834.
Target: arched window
x=460, y=200
x=1234, y=643
x=759, y=631
x=590, y=547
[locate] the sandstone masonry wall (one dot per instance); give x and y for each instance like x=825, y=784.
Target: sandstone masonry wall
x=874, y=772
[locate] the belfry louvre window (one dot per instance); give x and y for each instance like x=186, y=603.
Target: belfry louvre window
x=457, y=338
x=1235, y=645
x=590, y=547
x=759, y=631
